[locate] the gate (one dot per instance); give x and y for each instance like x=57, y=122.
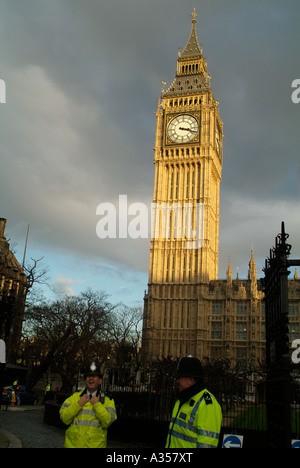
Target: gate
x=279, y=379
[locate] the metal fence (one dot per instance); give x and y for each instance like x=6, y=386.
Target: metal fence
x=144, y=415
x=240, y=412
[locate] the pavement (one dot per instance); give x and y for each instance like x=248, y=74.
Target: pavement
x=23, y=427
x=7, y=439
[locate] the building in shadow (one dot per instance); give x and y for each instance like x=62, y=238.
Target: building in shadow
x=13, y=290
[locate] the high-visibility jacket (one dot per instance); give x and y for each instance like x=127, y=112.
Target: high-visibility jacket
x=196, y=423
x=88, y=423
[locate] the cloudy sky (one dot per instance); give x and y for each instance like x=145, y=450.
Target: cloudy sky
x=83, y=78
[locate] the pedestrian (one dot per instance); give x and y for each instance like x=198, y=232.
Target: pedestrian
x=196, y=417
x=47, y=391
x=15, y=384
x=89, y=413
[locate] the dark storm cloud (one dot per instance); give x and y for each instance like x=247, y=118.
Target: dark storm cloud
x=83, y=79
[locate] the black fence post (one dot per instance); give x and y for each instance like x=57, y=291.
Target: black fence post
x=278, y=397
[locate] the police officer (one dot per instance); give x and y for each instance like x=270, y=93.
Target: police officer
x=47, y=392
x=196, y=418
x=89, y=413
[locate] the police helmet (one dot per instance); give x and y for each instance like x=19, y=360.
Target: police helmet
x=93, y=369
x=189, y=367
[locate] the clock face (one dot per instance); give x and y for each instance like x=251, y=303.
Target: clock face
x=182, y=128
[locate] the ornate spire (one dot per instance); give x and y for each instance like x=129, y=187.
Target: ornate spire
x=229, y=273
x=191, y=76
x=194, y=15
x=192, y=48
x=252, y=272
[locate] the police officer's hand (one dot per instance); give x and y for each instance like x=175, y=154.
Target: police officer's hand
x=95, y=399
x=83, y=400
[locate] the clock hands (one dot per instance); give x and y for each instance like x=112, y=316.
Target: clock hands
x=188, y=129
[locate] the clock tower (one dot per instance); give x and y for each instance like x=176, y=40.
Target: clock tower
x=185, y=216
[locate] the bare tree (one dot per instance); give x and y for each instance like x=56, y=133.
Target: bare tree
x=36, y=273
x=125, y=334
x=64, y=334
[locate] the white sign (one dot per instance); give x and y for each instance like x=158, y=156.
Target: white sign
x=295, y=443
x=2, y=352
x=232, y=441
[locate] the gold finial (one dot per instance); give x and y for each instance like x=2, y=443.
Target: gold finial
x=194, y=15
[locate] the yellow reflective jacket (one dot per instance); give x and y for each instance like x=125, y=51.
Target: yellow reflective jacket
x=88, y=423
x=195, y=423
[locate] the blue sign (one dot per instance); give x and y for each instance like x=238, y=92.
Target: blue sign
x=232, y=441
x=295, y=443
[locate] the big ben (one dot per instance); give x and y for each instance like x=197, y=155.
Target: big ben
x=185, y=220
